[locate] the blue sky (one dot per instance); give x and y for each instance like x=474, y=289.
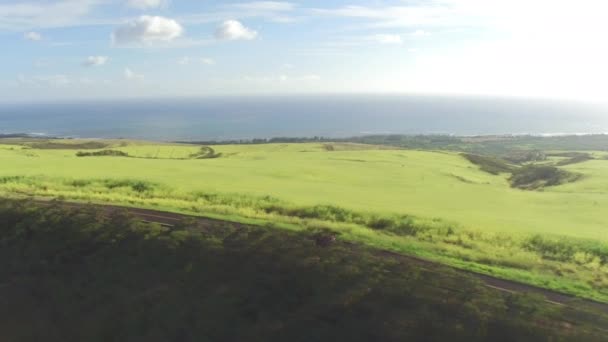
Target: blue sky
x=73, y=49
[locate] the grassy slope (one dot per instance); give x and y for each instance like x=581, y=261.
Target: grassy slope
x=368, y=179
x=78, y=275
x=425, y=184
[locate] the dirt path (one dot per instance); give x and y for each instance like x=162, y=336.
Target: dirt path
x=503, y=285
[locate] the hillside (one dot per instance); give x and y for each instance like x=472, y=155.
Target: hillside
x=84, y=275
x=433, y=204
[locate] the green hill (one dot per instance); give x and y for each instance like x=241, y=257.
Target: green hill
x=433, y=204
x=84, y=275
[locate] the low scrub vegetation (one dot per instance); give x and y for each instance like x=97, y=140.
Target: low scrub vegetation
x=206, y=152
x=488, y=164
x=530, y=176
x=103, y=153
x=88, y=275
x=572, y=157
x=524, y=156
x=533, y=177
x=61, y=145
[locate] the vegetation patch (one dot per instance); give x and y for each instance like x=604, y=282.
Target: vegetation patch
x=136, y=185
x=461, y=179
x=563, y=249
x=329, y=147
x=104, y=153
x=524, y=156
x=573, y=157
x=52, y=145
x=492, y=165
x=528, y=177
x=205, y=152
x=534, y=177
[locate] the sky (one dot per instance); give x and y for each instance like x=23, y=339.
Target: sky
x=82, y=49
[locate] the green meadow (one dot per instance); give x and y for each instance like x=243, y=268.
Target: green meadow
x=434, y=204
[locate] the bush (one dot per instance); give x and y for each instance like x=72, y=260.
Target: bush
x=206, y=152
x=490, y=165
x=104, y=153
x=533, y=177
x=568, y=249
x=50, y=145
x=136, y=185
x=524, y=156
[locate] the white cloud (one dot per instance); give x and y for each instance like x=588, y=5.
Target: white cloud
x=420, y=33
x=93, y=61
x=33, y=36
x=513, y=15
x=308, y=78
x=23, y=15
x=186, y=60
x=146, y=30
x=516, y=47
x=147, y=4
x=275, y=11
x=268, y=6
x=272, y=11
x=234, y=30
x=388, y=39
x=130, y=75
x=207, y=61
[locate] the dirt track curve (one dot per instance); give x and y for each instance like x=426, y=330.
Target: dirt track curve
x=554, y=297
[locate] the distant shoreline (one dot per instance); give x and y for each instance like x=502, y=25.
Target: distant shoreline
x=295, y=139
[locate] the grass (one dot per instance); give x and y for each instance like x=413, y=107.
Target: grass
x=433, y=204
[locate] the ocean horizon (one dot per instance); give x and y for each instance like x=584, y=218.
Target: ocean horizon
x=331, y=116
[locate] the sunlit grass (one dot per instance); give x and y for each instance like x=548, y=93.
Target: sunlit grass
x=431, y=204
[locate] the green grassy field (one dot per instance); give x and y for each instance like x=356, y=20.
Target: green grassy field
x=554, y=237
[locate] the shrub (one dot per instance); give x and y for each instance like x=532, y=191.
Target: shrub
x=104, y=153
x=523, y=156
x=533, y=177
x=206, y=152
x=490, y=165
x=50, y=145
x=136, y=185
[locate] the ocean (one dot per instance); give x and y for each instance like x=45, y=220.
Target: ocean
x=223, y=118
